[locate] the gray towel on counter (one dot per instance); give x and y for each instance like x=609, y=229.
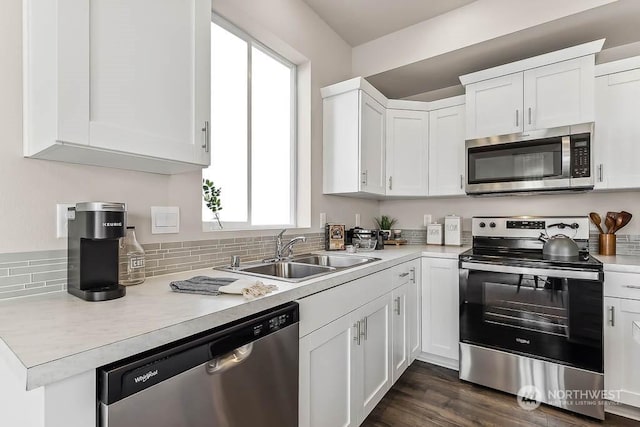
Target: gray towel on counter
x=201, y=285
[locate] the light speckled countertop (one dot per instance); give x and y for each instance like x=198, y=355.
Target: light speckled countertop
x=620, y=263
x=47, y=338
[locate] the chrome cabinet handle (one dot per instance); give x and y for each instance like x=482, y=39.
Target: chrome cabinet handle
x=413, y=275
x=356, y=338
x=600, y=172
x=612, y=316
x=397, y=309
x=404, y=274
x=461, y=182
x=529, y=115
x=365, y=177
x=363, y=331
x=205, y=143
x=390, y=183
x=517, y=117
x=632, y=286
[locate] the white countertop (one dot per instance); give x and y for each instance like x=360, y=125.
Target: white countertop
x=620, y=263
x=47, y=338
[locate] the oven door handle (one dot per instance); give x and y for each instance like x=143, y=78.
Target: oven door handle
x=548, y=272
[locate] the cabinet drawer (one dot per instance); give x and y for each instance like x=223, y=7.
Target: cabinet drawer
x=324, y=307
x=622, y=285
x=402, y=274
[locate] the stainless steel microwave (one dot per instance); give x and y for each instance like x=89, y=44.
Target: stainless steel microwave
x=544, y=160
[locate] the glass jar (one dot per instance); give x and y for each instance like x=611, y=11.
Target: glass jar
x=134, y=254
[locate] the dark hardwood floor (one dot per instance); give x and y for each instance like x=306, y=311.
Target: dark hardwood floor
x=428, y=395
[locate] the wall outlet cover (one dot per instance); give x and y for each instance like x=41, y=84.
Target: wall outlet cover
x=165, y=219
x=62, y=224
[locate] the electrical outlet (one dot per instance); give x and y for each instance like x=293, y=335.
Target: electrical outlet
x=61, y=219
x=427, y=219
x=323, y=219
x=357, y=220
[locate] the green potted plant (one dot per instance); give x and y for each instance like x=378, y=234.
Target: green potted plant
x=211, y=196
x=385, y=223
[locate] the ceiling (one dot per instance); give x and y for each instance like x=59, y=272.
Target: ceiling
x=360, y=21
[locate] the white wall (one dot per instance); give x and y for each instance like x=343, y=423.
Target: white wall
x=29, y=189
x=410, y=213
x=474, y=23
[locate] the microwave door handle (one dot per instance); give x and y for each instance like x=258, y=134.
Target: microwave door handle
x=566, y=156
x=533, y=271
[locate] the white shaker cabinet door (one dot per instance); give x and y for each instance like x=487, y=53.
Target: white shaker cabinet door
x=494, y=106
x=622, y=350
x=400, y=334
x=446, y=151
x=372, y=145
x=407, y=151
x=149, y=70
x=559, y=94
x=440, y=307
x=328, y=375
x=375, y=358
x=617, y=130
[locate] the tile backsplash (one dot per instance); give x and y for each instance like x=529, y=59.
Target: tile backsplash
x=31, y=273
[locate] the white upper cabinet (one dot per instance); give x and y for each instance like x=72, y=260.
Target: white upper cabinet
x=559, y=94
x=353, y=126
x=617, y=130
x=446, y=151
x=494, y=107
x=372, y=145
x=545, y=91
x=407, y=152
x=119, y=83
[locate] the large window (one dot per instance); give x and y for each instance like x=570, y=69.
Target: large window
x=253, y=126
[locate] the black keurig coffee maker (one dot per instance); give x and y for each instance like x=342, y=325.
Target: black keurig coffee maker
x=92, y=266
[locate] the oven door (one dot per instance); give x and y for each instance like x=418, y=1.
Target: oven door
x=552, y=314
x=502, y=166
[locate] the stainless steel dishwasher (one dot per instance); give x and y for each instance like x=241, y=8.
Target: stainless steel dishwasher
x=245, y=374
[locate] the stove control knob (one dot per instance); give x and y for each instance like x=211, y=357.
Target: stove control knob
x=575, y=225
x=492, y=224
x=482, y=225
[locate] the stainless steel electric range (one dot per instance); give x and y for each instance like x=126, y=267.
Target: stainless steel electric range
x=533, y=325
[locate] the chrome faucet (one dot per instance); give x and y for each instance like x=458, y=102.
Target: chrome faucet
x=287, y=248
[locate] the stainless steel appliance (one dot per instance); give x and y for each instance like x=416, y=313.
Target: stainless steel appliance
x=245, y=374
x=95, y=229
x=545, y=160
x=531, y=320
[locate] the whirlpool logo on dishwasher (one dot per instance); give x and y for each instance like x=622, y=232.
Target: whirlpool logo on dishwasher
x=143, y=378
x=523, y=341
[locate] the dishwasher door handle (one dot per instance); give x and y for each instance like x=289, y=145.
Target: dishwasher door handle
x=227, y=361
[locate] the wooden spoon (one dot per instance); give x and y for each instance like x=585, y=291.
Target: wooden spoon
x=595, y=218
x=610, y=223
x=618, y=224
x=626, y=218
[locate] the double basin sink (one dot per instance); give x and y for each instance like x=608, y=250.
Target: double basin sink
x=302, y=267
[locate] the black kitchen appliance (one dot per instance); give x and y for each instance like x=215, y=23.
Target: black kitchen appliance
x=358, y=235
x=92, y=265
x=528, y=319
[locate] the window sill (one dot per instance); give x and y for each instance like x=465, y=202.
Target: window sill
x=267, y=230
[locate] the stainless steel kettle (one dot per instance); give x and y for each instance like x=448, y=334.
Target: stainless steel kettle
x=559, y=245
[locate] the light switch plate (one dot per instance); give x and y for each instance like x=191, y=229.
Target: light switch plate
x=165, y=219
x=62, y=230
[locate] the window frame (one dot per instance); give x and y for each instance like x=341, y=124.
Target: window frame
x=212, y=225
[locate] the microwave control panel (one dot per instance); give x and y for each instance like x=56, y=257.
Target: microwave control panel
x=580, y=156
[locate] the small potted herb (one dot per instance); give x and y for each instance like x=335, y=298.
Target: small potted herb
x=385, y=223
x=211, y=196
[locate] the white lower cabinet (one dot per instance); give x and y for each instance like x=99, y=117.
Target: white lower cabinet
x=400, y=322
x=345, y=366
x=622, y=350
x=440, y=310
x=348, y=363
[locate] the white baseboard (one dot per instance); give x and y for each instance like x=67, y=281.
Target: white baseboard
x=623, y=410
x=434, y=359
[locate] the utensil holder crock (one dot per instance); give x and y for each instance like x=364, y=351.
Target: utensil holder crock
x=607, y=244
